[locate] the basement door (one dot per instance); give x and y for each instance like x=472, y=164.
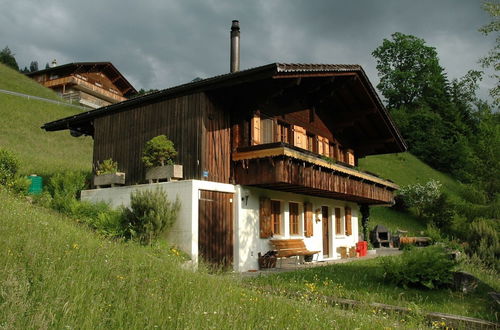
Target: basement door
x=215, y=227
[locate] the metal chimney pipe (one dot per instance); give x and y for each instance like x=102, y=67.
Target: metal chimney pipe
x=235, y=46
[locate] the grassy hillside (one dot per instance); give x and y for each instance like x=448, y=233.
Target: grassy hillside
x=14, y=81
x=404, y=169
x=40, y=152
x=56, y=274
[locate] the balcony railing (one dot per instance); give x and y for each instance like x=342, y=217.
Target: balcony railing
x=86, y=87
x=283, y=167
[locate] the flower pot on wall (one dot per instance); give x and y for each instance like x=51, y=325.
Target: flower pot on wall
x=167, y=172
x=111, y=179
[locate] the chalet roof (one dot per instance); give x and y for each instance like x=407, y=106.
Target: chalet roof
x=106, y=68
x=274, y=70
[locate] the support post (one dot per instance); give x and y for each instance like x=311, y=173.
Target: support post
x=365, y=217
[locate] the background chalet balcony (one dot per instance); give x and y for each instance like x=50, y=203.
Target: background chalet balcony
x=280, y=166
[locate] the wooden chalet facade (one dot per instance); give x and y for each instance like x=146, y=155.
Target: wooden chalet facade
x=292, y=131
x=90, y=84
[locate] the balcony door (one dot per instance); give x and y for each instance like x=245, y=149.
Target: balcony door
x=326, y=232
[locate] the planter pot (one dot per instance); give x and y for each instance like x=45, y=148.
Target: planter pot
x=112, y=180
x=167, y=172
x=371, y=252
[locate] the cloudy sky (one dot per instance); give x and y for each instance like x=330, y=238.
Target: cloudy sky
x=163, y=43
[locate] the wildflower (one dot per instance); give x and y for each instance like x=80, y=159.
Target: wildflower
x=75, y=246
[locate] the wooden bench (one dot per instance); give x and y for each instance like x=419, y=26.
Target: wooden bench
x=295, y=247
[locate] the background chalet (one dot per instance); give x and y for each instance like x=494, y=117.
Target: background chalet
x=91, y=84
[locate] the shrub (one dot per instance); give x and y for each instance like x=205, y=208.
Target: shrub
x=65, y=189
x=19, y=184
x=158, y=151
x=420, y=196
x=9, y=164
x=108, y=166
x=484, y=243
x=150, y=215
x=438, y=211
x=429, y=267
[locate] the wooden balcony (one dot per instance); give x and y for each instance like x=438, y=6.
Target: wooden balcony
x=283, y=167
x=85, y=86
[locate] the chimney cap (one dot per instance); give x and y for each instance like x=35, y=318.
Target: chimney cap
x=235, y=25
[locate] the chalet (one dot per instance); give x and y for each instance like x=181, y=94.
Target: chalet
x=268, y=153
x=90, y=84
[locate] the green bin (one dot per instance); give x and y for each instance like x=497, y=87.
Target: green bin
x=36, y=185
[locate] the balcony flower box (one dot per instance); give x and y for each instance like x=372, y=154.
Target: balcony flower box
x=172, y=172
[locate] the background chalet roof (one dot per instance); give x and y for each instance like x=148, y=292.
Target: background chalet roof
x=106, y=68
x=81, y=122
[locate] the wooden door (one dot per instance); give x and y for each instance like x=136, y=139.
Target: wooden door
x=215, y=227
x=326, y=232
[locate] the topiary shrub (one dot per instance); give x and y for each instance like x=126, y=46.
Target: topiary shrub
x=430, y=267
x=159, y=151
x=484, y=243
x=9, y=164
x=150, y=215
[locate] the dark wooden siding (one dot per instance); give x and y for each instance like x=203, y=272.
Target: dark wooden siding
x=122, y=135
x=216, y=142
x=296, y=176
x=215, y=227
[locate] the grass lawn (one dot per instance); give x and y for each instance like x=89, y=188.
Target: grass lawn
x=55, y=273
x=363, y=281
x=41, y=152
x=14, y=81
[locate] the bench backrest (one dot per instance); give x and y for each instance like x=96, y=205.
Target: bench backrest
x=289, y=244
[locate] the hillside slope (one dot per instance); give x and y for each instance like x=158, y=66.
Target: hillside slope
x=56, y=274
x=404, y=169
x=40, y=152
x=14, y=81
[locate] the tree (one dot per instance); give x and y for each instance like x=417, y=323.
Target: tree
x=47, y=66
x=410, y=71
x=493, y=57
x=33, y=66
x=7, y=58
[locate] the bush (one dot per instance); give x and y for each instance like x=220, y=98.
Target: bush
x=429, y=267
x=108, y=166
x=159, y=151
x=484, y=243
x=9, y=164
x=420, y=196
x=150, y=215
x=65, y=189
x=438, y=212
x=19, y=184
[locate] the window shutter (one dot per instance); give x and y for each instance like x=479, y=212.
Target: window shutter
x=265, y=222
x=338, y=223
x=308, y=219
x=326, y=147
x=348, y=223
x=320, y=145
x=350, y=157
x=299, y=137
x=255, y=128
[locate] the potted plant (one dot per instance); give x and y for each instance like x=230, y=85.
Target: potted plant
x=158, y=157
x=107, y=174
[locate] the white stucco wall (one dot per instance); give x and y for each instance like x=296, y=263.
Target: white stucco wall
x=184, y=233
x=247, y=243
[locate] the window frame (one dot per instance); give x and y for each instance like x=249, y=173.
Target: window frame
x=294, y=223
x=279, y=223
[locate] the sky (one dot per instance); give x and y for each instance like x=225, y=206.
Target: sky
x=164, y=43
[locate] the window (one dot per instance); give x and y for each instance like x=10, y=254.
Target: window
x=276, y=217
x=266, y=130
x=283, y=133
x=294, y=218
x=310, y=143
